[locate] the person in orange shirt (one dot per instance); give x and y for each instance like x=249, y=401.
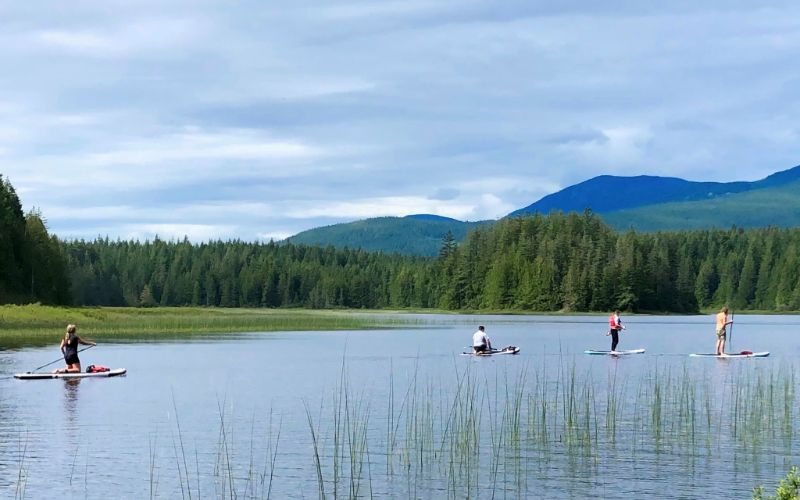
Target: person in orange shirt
x=614, y=325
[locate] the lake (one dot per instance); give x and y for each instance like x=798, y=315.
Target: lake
x=400, y=413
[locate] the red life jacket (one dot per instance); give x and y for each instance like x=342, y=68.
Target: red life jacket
x=612, y=321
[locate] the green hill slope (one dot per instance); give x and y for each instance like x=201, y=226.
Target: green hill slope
x=773, y=206
x=630, y=192
x=411, y=235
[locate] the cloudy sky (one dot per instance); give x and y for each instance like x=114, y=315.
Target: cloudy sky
x=257, y=120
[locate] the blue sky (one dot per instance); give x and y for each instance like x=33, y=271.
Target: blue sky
x=257, y=120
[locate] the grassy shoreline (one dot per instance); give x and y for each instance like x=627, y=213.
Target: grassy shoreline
x=33, y=323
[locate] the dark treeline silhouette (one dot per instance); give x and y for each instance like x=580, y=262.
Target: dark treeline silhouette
x=32, y=266
x=575, y=262
x=571, y=262
x=239, y=274
x=568, y=262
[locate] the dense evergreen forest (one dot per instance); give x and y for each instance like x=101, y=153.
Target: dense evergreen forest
x=32, y=265
x=575, y=262
x=571, y=262
x=559, y=262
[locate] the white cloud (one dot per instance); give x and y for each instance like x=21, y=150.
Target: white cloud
x=263, y=117
x=366, y=10
x=380, y=207
x=276, y=235
x=78, y=41
x=492, y=206
x=618, y=147
x=180, y=159
x=217, y=211
x=204, y=146
x=195, y=232
x=147, y=35
x=76, y=119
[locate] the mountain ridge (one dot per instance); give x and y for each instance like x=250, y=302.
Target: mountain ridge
x=419, y=234
x=644, y=203
x=609, y=193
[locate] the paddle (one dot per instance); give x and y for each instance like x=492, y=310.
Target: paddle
x=59, y=359
x=731, y=331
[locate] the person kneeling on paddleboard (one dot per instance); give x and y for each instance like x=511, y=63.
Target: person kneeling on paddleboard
x=480, y=342
x=69, y=348
x=615, y=325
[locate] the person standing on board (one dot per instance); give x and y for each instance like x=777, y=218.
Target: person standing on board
x=722, y=324
x=614, y=325
x=480, y=342
x=69, y=348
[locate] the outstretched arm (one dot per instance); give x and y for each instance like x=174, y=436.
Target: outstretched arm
x=81, y=341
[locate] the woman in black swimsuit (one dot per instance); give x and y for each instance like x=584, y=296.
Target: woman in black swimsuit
x=69, y=347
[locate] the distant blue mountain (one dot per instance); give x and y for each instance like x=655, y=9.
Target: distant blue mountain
x=609, y=193
x=646, y=203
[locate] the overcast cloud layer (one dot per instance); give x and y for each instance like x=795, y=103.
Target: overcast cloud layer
x=257, y=120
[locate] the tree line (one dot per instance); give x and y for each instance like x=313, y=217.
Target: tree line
x=568, y=262
x=32, y=265
x=575, y=262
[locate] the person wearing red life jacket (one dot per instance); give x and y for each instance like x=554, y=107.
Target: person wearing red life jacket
x=614, y=325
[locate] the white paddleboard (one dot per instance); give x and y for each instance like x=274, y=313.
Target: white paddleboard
x=41, y=376
x=614, y=353
x=743, y=354
x=515, y=350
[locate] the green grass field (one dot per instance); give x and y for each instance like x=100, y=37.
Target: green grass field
x=36, y=323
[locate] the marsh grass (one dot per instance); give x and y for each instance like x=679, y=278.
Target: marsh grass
x=22, y=471
x=153, y=469
x=482, y=435
x=235, y=471
x=35, y=324
x=489, y=431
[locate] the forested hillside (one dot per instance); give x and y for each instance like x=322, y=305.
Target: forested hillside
x=771, y=206
x=644, y=203
x=572, y=262
x=410, y=235
x=32, y=267
x=541, y=263
x=577, y=263
x=610, y=193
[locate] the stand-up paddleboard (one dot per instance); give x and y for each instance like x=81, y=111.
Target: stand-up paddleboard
x=505, y=350
x=742, y=354
x=614, y=353
x=40, y=376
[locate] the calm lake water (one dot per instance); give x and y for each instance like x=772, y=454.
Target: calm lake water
x=400, y=413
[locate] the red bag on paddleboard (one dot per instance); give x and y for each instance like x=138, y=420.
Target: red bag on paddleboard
x=97, y=369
